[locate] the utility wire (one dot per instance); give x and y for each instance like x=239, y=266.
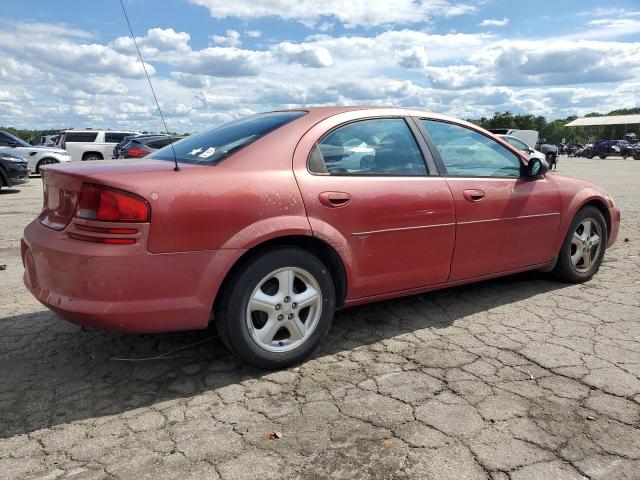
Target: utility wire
x=133, y=37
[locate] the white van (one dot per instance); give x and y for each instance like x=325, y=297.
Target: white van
x=91, y=144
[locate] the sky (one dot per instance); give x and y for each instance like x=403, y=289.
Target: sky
x=72, y=63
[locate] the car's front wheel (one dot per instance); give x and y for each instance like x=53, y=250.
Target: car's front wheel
x=275, y=309
x=584, y=246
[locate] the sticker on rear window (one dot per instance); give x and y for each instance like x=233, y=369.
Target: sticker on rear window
x=195, y=151
x=208, y=152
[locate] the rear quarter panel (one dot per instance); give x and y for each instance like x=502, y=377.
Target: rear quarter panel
x=246, y=199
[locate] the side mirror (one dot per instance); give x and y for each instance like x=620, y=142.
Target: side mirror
x=13, y=144
x=537, y=167
x=531, y=150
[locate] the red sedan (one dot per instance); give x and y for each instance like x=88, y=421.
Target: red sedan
x=275, y=220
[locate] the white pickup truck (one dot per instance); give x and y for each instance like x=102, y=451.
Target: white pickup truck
x=91, y=144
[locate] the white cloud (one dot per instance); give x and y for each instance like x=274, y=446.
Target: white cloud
x=305, y=54
x=562, y=62
x=414, y=58
x=221, y=62
x=157, y=42
x=37, y=46
x=253, y=33
x=231, y=39
x=350, y=13
x=494, y=22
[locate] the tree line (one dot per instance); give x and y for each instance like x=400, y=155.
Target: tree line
x=555, y=130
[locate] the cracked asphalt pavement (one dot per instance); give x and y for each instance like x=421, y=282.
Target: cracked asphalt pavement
x=521, y=377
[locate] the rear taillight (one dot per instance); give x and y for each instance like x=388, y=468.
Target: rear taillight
x=136, y=153
x=105, y=204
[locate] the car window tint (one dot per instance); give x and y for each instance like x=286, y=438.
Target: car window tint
x=80, y=137
x=115, y=137
x=383, y=146
x=163, y=142
x=467, y=153
x=214, y=145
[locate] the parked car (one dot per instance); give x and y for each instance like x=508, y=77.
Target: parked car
x=531, y=137
x=125, y=140
x=138, y=147
x=273, y=221
x=85, y=145
x=35, y=156
x=14, y=170
x=606, y=148
x=523, y=147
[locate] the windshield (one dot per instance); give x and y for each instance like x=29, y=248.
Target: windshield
x=214, y=145
x=516, y=143
x=19, y=141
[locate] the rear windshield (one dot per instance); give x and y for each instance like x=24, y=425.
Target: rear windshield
x=214, y=145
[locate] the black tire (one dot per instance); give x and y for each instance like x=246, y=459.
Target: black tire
x=92, y=157
x=602, y=157
x=564, y=269
x=45, y=161
x=636, y=156
x=231, y=308
x=588, y=154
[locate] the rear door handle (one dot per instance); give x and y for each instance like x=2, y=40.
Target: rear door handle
x=334, y=199
x=473, y=196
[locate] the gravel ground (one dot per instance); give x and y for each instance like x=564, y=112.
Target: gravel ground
x=521, y=377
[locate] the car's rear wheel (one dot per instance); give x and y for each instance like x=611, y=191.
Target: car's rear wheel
x=584, y=246
x=602, y=157
x=45, y=161
x=276, y=308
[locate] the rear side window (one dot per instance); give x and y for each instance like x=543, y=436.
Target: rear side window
x=383, y=146
x=80, y=137
x=214, y=145
x=467, y=153
x=114, y=137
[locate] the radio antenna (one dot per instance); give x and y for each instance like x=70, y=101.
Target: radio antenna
x=176, y=168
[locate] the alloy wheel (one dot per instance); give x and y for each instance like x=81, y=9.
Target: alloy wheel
x=284, y=309
x=586, y=244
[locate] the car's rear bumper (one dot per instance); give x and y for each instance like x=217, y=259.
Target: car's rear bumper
x=122, y=287
x=614, y=215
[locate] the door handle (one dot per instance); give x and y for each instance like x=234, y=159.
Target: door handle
x=334, y=199
x=473, y=196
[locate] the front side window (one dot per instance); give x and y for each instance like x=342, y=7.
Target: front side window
x=214, y=145
x=467, y=153
x=383, y=146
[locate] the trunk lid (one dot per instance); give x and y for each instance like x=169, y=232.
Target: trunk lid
x=62, y=183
